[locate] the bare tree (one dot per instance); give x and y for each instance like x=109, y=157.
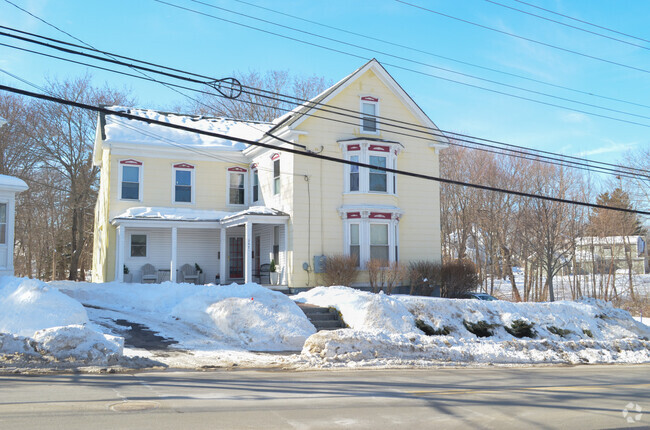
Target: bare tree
x=255, y=105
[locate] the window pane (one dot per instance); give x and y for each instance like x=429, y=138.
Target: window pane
x=3, y=212
x=130, y=190
x=379, y=253
x=183, y=177
x=276, y=168
x=138, y=245
x=354, y=234
x=378, y=234
x=354, y=174
x=236, y=180
x=377, y=178
x=355, y=251
x=183, y=194
x=256, y=186
x=276, y=186
x=369, y=123
x=130, y=174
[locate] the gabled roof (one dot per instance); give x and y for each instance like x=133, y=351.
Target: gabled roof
x=297, y=115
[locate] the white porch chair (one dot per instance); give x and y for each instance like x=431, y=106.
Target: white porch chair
x=149, y=274
x=189, y=273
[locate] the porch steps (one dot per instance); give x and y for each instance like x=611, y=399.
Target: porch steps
x=322, y=318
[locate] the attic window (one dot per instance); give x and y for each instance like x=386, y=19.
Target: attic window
x=369, y=112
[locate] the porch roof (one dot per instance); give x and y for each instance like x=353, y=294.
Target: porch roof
x=163, y=216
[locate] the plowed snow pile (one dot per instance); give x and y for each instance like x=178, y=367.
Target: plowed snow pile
x=387, y=329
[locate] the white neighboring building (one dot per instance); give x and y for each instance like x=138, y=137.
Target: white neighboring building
x=9, y=186
x=612, y=252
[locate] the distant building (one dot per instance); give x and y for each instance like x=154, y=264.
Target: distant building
x=9, y=186
x=605, y=254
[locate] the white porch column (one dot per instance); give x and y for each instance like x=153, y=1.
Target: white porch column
x=172, y=268
x=222, y=260
x=248, y=261
x=119, y=254
x=285, y=250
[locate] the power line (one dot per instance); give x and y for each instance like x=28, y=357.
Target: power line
x=455, y=60
x=312, y=154
x=431, y=132
x=548, y=45
x=584, y=22
x=444, y=69
x=567, y=25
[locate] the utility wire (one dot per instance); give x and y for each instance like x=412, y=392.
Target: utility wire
x=437, y=133
x=584, y=22
x=402, y=58
x=567, y=25
x=548, y=45
x=315, y=155
x=433, y=54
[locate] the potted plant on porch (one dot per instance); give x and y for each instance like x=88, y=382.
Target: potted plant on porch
x=274, y=275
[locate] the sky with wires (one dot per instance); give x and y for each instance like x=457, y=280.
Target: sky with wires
x=546, y=74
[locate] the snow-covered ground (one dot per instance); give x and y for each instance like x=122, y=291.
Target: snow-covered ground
x=67, y=324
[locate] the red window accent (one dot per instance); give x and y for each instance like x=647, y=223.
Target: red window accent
x=183, y=166
x=369, y=99
x=254, y=166
x=354, y=147
x=131, y=162
x=380, y=148
x=236, y=169
x=354, y=215
x=275, y=156
x=379, y=215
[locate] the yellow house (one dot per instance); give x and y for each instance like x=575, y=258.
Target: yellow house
x=170, y=198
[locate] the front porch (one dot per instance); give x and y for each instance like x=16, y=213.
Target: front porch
x=226, y=250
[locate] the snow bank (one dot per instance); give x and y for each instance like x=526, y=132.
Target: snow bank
x=247, y=316
x=29, y=305
x=374, y=348
x=39, y=320
x=362, y=310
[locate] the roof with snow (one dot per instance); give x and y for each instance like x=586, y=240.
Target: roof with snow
x=185, y=214
x=117, y=129
x=12, y=183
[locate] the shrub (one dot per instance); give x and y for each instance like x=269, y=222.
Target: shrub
x=521, y=328
x=480, y=328
x=430, y=331
x=588, y=332
x=559, y=331
x=423, y=276
x=458, y=277
x=383, y=276
x=340, y=270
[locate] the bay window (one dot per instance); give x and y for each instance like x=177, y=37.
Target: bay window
x=371, y=235
x=368, y=179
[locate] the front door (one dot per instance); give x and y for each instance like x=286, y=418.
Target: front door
x=236, y=254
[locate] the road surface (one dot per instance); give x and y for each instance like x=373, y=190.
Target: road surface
x=543, y=397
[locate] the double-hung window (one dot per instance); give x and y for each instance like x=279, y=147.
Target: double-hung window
x=376, y=177
x=237, y=186
x=256, y=186
x=183, y=183
x=369, y=108
x=130, y=180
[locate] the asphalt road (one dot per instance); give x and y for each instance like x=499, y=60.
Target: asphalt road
x=547, y=397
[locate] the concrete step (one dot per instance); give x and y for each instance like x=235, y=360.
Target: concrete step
x=322, y=318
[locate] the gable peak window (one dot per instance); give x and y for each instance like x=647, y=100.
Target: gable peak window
x=369, y=113
x=183, y=183
x=130, y=180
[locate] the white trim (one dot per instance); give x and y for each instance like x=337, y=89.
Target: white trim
x=120, y=177
x=238, y=205
x=119, y=254
x=192, y=182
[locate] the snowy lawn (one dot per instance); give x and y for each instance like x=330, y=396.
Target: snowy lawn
x=83, y=325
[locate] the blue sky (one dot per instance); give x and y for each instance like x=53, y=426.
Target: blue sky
x=159, y=33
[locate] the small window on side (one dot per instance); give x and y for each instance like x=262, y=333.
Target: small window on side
x=138, y=245
x=276, y=176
